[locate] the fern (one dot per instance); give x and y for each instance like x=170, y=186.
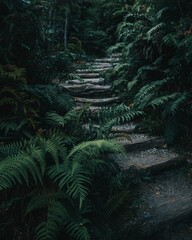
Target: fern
x=55, y=119
x=116, y=48
x=115, y=201
x=162, y=13
x=116, y=115
x=76, y=180
x=51, y=97
x=56, y=217
x=154, y=30
x=29, y=159
x=17, y=167
x=173, y=106
x=148, y=88
x=120, y=67
x=162, y=100
x=116, y=83
x=119, y=136
x=132, y=83
x=79, y=230
x=171, y=40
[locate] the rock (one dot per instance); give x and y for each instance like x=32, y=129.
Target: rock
x=104, y=60
x=88, y=75
x=142, y=142
x=128, y=128
x=152, y=160
x=97, y=102
x=99, y=81
x=90, y=70
x=87, y=89
x=101, y=65
x=92, y=110
x=167, y=201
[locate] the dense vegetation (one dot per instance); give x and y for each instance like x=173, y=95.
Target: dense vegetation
x=51, y=172
x=57, y=181
x=155, y=77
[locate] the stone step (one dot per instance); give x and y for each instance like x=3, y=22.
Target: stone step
x=92, y=110
x=90, y=70
x=99, y=66
x=97, y=102
x=88, y=75
x=142, y=142
x=153, y=160
x=99, y=81
x=88, y=89
x=180, y=231
x=165, y=201
x=127, y=128
x=104, y=60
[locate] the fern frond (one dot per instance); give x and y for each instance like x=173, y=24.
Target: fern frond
x=154, y=30
x=8, y=125
x=17, y=167
x=148, y=88
x=120, y=136
x=56, y=217
x=116, y=48
x=79, y=230
x=98, y=147
x=117, y=83
x=171, y=40
x=173, y=106
x=41, y=200
x=121, y=67
x=57, y=120
x=117, y=115
x=132, y=83
x=162, y=13
x=162, y=100
x=77, y=180
x=115, y=201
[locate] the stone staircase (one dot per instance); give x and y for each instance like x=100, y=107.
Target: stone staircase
x=167, y=196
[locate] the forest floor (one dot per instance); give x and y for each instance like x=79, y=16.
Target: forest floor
x=165, y=195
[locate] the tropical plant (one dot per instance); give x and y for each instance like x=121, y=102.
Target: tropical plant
x=64, y=179
x=155, y=74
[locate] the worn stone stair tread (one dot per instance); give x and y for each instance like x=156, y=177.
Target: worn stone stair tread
x=88, y=75
x=104, y=60
x=127, y=128
x=180, y=231
x=86, y=89
x=142, y=142
x=85, y=81
x=91, y=109
x=97, y=101
x=101, y=65
x=104, y=68
x=90, y=70
x=153, y=160
x=167, y=200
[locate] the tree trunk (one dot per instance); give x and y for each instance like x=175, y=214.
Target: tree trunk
x=66, y=25
x=53, y=37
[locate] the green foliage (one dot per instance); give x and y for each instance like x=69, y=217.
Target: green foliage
x=154, y=38
x=112, y=116
x=63, y=172
x=19, y=110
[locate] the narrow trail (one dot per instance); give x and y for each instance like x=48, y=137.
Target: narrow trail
x=167, y=197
